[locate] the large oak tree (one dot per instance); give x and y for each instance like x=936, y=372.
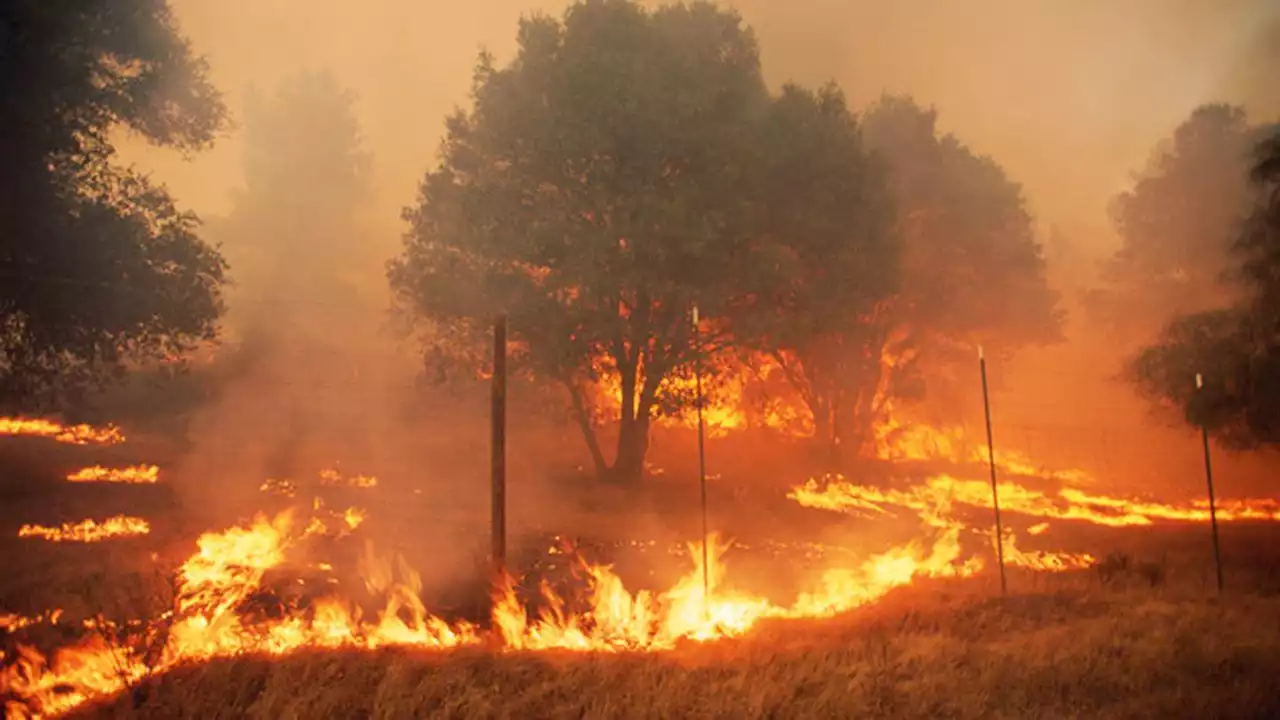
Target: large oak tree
x=98, y=266
x=616, y=173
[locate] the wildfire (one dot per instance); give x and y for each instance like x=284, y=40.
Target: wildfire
x=1042, y=560
x=88, y=530
x=220, y=588
x=1068, y=503
x=12, y=623
x=332, y=478
x=135, y=475
x=897, y=440
x=276, y=486
x=70, y=434
x=216, y=584
x=733, y=400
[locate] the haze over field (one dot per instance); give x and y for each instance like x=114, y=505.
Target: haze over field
x=1070, y=98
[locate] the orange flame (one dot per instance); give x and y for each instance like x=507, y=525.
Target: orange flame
x=228, y=568
x=332, y=478
x=88, y=530
x=283, y=487
x=730, y=403
x=70, y=434
x=135, y=475
x=1042, y=560
x=1069, y=503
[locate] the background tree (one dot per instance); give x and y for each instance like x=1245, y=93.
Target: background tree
x=1235, y=349
x=971, y=270
x=832, y=259
x=295, y=229
x=306, y=329
x=599, y=187
x=98, y=265
x=1175, y=226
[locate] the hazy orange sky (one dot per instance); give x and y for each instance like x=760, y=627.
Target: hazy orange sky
x=1069, y=95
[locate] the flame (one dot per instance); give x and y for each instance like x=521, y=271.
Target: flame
x=332, y=478
x=221, y=584
x=88, y=530
x=1068, y=503
x=898, y=440
x=226, y=572
x=1042, y=560
x=70, y=434
x=12, y=622
x=135, y=475
x=279, y=487
x=742, y=396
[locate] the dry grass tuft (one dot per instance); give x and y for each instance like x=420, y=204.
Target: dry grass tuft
x=938, y=651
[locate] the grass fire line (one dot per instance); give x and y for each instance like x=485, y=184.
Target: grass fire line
x=133, y=475
x=69, y=434
x=229, y=567
x=213, y=614
x=88, y=531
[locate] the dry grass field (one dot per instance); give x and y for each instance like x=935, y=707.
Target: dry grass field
x=936, y=650
x=1152, y=640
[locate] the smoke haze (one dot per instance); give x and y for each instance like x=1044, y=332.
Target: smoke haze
x=1070, y=97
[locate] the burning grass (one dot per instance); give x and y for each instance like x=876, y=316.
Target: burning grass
x=70, y=434
x=936, y=651
x=213, y=611
x=255, y=602
x=941, y=491
x=88, y=531
x=132, y=475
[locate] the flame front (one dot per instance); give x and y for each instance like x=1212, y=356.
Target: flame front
x=1068, y=503
x=70, y=434
x=218, y=582
x=219, y=589
x=134, y=475
x=88, y=530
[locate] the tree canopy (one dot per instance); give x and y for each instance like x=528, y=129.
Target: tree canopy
x=629, y=164
x=969, y=269
x=1176, y=223
x=1235, y=349
x=827, y=220
x=609, y=179
x=99, y=265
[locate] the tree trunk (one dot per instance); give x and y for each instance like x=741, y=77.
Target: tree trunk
x=835, y=456
x=633, y=446
x=826, y=430
x=583, y=419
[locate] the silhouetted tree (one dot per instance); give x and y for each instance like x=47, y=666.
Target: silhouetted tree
x=1175, y=226
x=97, y=265
x=297, y=237
x=294, y=230
x=1236, y=349
x=971, y=270
x=827, y=222
x=605, y=181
